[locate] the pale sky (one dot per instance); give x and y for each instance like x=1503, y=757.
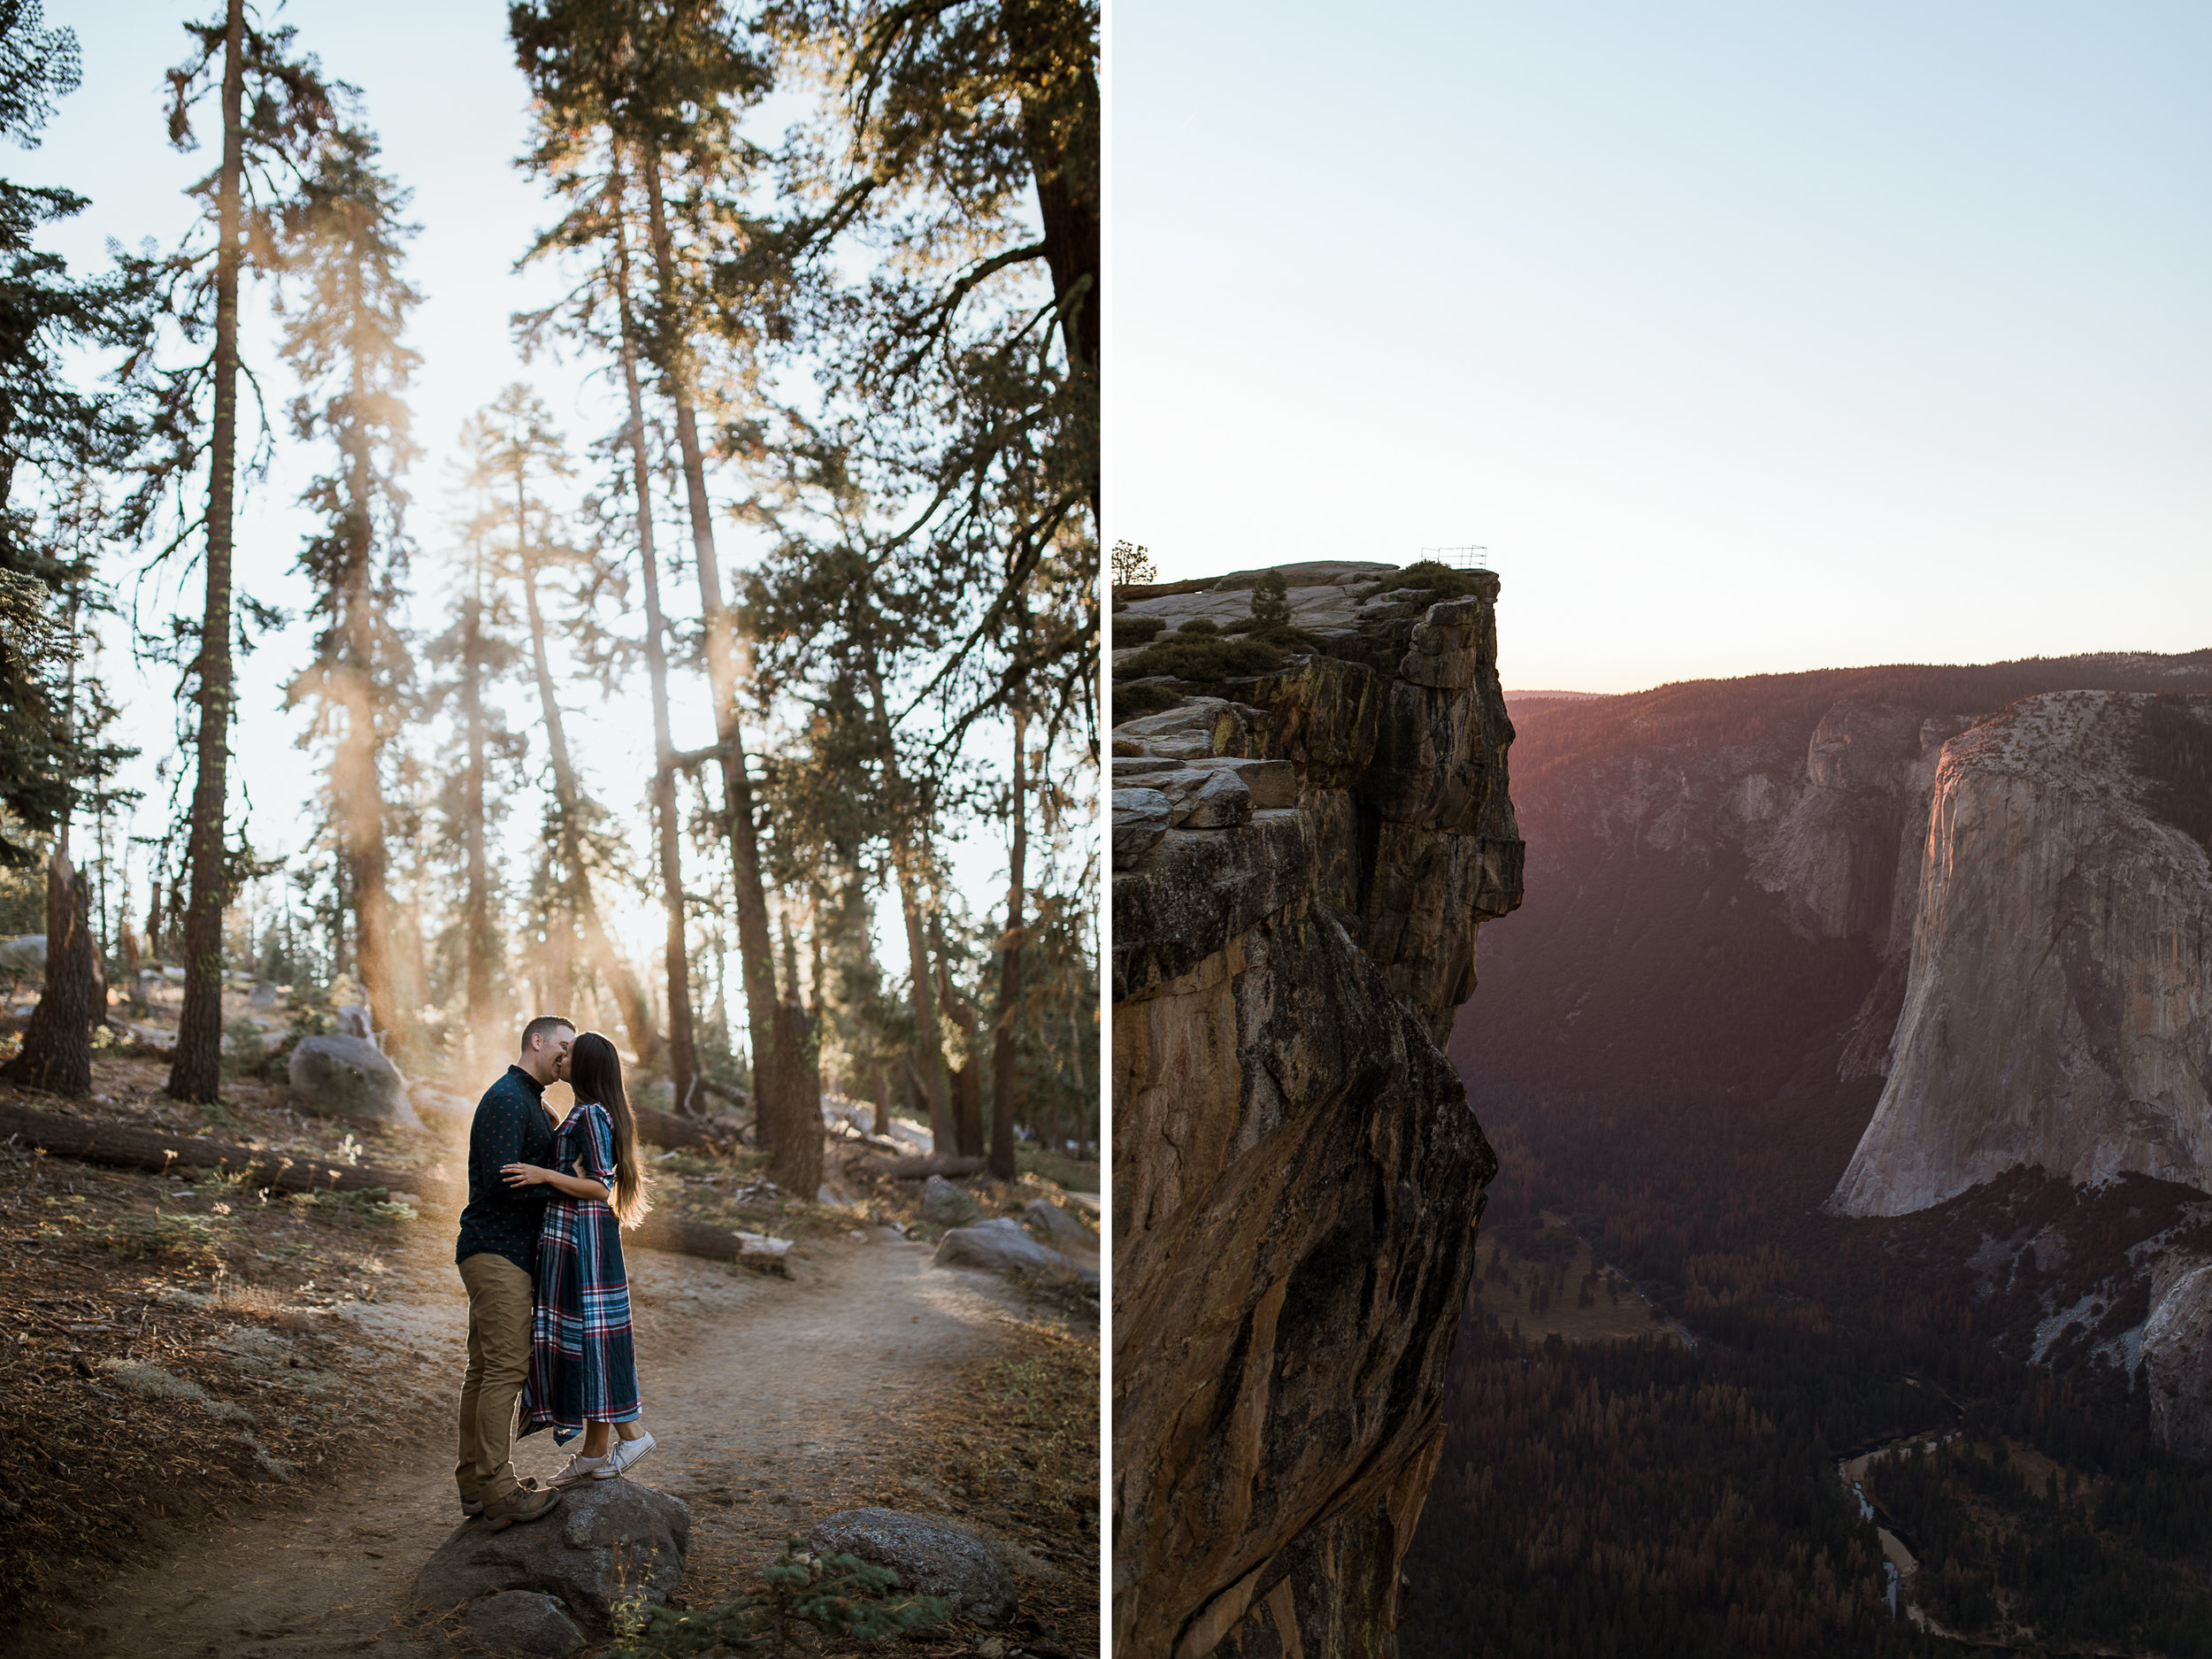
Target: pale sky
x=1747, y=337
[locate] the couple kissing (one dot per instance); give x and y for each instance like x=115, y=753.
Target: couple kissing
x=540, y=1256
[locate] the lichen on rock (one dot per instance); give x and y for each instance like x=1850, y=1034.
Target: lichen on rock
x=1297, y=1173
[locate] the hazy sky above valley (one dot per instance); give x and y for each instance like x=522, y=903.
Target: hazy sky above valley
x=1747, y=337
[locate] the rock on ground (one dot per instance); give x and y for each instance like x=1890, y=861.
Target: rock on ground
x=525, y=1623
x=350, y=1078
x=942, y=1201
x=930, y=1557
x=1002, y=1245
x=1047, y=1217
x=24, y=956
x=608, y=1540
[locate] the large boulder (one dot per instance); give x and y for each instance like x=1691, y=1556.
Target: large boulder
x=350, y=1077
x=1045, y=1216
x=2177, y=1344
x=525, y=1623
x=1002, y=1245
x=607, y=1541
x=930, y=1557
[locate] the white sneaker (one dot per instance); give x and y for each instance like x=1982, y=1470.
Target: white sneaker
x=622, y=1454
x=579, y=1467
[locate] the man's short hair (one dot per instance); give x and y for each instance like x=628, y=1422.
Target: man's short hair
x=544, y=1025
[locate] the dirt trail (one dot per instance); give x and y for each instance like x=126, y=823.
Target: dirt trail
x=775, y=1401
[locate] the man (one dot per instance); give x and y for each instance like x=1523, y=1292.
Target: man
x=498, y=1254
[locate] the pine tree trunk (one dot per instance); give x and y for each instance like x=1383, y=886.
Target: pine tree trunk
x=1010, y=978
x=905, y=868
x=198, y=1072
x=967, y=1082
x=568, y=802
x=477, y=901
x=793, y=1124
x=683, y=1054
x=57, y=1054
x=1063, y=155
x=359, y=792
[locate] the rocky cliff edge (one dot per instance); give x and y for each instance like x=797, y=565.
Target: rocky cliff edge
x=1302, y=859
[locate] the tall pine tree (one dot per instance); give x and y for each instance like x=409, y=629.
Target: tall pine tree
x=275, y=108
x=340, y=245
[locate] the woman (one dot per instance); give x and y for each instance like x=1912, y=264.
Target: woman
x=583, y=1369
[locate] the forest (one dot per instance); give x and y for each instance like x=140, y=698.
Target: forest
x=695, y=710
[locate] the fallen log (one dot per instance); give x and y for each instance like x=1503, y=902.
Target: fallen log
x=921, y=1168
x=661, y=1231
x=729, y=1091
x=658, y=1128
x=122, y=1147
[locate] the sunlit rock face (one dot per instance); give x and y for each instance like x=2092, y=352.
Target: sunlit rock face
x=1296, y=1170
x=2057, y=1008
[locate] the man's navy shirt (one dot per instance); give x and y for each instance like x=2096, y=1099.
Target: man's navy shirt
x=510, y=1127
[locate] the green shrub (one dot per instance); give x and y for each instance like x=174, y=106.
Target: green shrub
x=1439, y=581
x=1271, y=602
x=1201, y=660
x=1130, y=702
x=372, y=1203
x=1199, y=626
x=1137, y=630
x=170, y=1238
x=247, y=1052
x=829, y=1595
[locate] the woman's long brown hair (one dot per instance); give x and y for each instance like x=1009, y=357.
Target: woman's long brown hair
x=594, y=1071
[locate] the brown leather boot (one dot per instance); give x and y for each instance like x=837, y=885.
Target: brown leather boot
x=524, y=1504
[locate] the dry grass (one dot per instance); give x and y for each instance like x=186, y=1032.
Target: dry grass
x=1607, y=1319
x=1016, y=1444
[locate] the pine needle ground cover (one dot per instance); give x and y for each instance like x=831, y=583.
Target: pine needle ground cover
x=170, y=1353
x=1013, y=1450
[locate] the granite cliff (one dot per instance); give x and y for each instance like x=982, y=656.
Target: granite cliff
x=1303, y=858
x=2057, y=1008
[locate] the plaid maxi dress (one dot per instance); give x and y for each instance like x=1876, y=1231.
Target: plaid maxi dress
x=583, y=1368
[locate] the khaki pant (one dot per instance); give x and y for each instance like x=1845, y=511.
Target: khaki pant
x=499, y=1295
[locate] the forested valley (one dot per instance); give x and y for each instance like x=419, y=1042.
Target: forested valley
x=1673, y=1349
